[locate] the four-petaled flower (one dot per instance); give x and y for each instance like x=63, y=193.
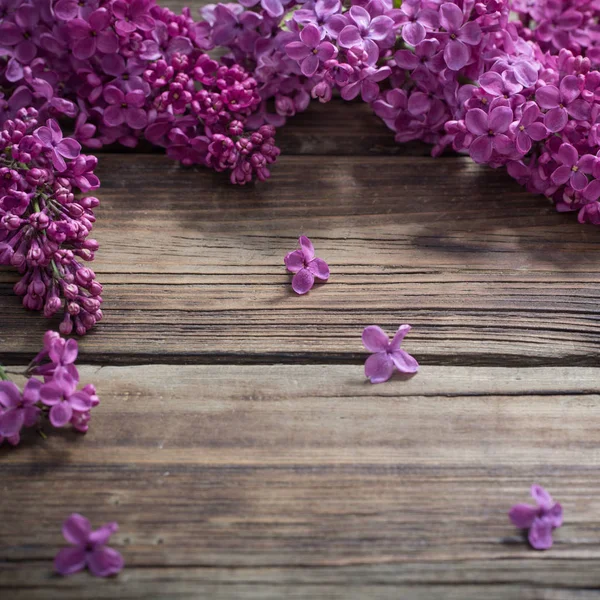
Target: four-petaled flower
x=92, y=35
x=461, y=36
x=540, y=519
x=305, y=266
x=573, y=167
x=310, y=50
x=19, y=409
x=132, y=15
x=50, y=136
x=490, y=131
x=561, y=102
x=529, y=128
x=364, y=32
x=89, y=549
x=125, y=108
x=387, y=354
x=61, y=395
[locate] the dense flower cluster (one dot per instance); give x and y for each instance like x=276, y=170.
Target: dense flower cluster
x=433, y=70
x=126, y=70
x=206, y=125
x=504, y=87
x=44, y=226
x=544, y=132
x=50, y=392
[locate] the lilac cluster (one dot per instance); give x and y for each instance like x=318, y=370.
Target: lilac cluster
x=560, y=24
x=469, y=75
x=545, y=131
x=44, y=226
x=208, y=125
x=50, y=392
x=127, y=70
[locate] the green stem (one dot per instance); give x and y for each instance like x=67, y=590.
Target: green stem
x=55, y=270
x=3, y=375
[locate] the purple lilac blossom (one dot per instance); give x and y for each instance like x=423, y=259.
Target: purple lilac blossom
x=50, y=393
x=540, y=520
x=44, y=227
x=439, y=59
x=305, y=266
x=387, y=355
x=88, y=549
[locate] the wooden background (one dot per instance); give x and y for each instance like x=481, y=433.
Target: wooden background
x=238, y=444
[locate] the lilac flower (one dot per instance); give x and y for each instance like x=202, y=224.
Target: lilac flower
x=529, y=128
x=387, y=355
x=305, y=266
x=124, y=108
x=19, y=409
x=490, y=131
x=540, y=519
x=273, y=8
x=61, y=395
x=417, y=21
x=461, y=35
x=51, y=137
x=93, y=34
x=500, y=84
x=235, y=25
x=71, y=9
x=320, y=14
x=573, y=167
x=310, y=50
x=132, y=15
x=364, y=32
x=366, y=77
x=561, y=103
x=424, y=56
x=89, y=549
x=20, y=35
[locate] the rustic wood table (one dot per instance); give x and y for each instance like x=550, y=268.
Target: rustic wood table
x=238, y=444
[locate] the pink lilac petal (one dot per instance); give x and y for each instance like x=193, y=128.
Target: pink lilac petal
x=70, y=560
x=311, y=36
x=10, y=396
x=303, y=281
x=375, y=339
x=399, y=336
x=456, y=55
x=540, y=534
x=481, y=149
x=379, y=367
x=404, y=362
x=476, y=121
x=294, y=261
x=522, y=515
x=76, y=529
x=104, y=561
x=413, y=33
x=319, y=268
x=308, y=249
x=101, y=535
x=541, y=496
x=60, y=414
x=11, y=422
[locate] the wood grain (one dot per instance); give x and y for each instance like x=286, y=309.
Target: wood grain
x=238, y=444
x=193, y=266
x=294, y=481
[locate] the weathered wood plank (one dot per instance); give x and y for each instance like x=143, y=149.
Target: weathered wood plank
x=193, y=266
x=293, y=481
